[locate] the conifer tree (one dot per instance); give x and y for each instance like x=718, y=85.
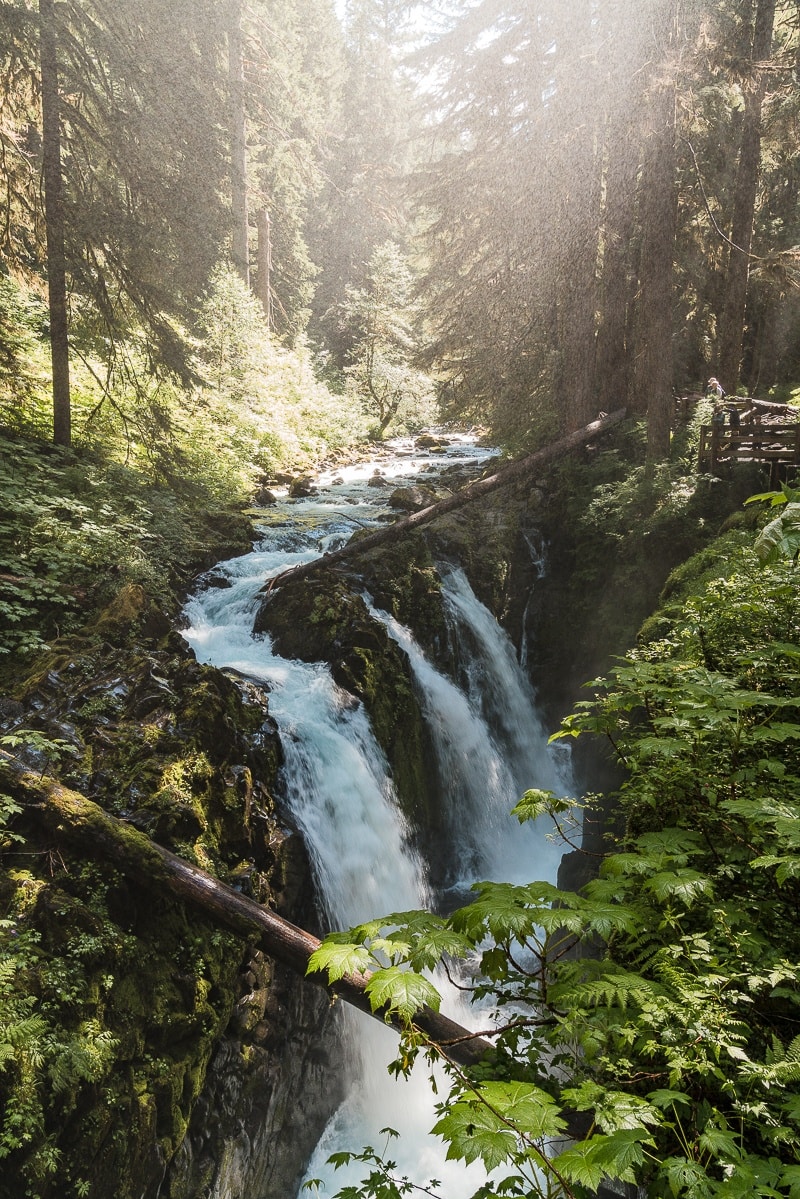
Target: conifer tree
x=363, y=203
x=54, y=221
x=760, y=25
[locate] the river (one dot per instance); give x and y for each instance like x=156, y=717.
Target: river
x=489, y=745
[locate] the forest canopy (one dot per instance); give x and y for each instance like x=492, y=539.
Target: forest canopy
x=565, y=209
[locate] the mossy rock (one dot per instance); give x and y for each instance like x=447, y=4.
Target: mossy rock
x=403, y=581
x=136, y=989
x=130, y=611
x=323, y=620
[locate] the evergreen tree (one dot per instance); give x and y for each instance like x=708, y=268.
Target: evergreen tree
x=379, y=320
x=292, y=84
x=760, y=24
x=363, y=203
x=54, y=221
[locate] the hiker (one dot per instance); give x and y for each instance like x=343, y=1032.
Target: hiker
x=718, y=417
x=715, y=390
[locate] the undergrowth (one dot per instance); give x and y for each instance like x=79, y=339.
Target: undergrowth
x=74, y=529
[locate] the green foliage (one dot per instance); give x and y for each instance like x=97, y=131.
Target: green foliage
x=261, y=407
x=380, y=318
x=76, y=529
x=668, y=1044
x=21, y=319
x=780, y=538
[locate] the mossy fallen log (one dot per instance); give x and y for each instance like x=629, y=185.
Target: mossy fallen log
x=69, y=815
x=466, y=495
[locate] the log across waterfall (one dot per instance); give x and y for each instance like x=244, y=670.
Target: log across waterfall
x=476, y=490
x=488, y=746
x=73, y=817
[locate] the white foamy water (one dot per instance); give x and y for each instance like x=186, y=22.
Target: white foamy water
x=338, y=786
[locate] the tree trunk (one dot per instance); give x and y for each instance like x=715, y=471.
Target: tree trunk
x=71, y=816
x=653, y=364
x=622, y=61
x=577, y=300
x=54, y=223
x=263, y=288
x=744, y=204
x=473, y=491
x=238, y=136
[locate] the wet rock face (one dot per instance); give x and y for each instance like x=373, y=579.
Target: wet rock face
x=324, y=620
x=268, y=1092
x=207, y=1082
x=302, y=487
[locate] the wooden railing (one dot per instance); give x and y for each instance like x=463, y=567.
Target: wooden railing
x=756, y=440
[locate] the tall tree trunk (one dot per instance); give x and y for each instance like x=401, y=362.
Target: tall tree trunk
x=613, y=363
x=744, y=203
x=54, y=223
x=653, y=361
x=238, y=137
x=263, y=285
x=579, y=115
x=624, y=69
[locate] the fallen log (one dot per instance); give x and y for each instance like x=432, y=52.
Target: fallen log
x=72, y=816
x=473, y=491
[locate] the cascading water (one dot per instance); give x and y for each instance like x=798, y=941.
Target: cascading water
x=490, y=747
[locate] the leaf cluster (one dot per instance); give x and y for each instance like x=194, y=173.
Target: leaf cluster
x=653, y=1019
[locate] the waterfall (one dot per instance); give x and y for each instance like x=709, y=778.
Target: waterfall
x=489, y=747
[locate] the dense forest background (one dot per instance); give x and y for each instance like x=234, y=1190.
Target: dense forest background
x=240, y=238
x=526, y=211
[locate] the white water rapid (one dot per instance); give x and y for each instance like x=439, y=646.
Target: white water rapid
x=489, y=744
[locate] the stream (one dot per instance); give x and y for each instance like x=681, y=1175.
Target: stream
x=489, y=744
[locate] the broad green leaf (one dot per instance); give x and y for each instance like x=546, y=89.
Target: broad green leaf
x=686, y=885
x=604, y=1156
x=474, y=1132
x=401, y=991
x=665, y=1098
x=339, y=960
x=529, y=1108
x=535, y=803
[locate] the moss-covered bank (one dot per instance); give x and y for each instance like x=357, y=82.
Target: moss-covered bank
x=114, y=998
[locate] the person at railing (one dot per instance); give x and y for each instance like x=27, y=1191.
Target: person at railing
x=718, y=418
x=715, y=390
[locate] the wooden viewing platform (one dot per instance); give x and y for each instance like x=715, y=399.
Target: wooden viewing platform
x=762, y=437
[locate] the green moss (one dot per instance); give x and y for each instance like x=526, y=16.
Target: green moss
x=322, y=619
x=133, y=990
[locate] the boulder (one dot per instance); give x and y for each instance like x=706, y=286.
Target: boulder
x=412, y=499
x=302, y=487
x=264, y=498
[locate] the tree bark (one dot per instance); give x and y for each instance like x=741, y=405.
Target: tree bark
x=653, y=362
x=75, y=818
x=263, y=286
x=744, y=204
x=54, y=223
x=238, y=136
x=580, y=207
x=623, y=60
x=473, y=491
